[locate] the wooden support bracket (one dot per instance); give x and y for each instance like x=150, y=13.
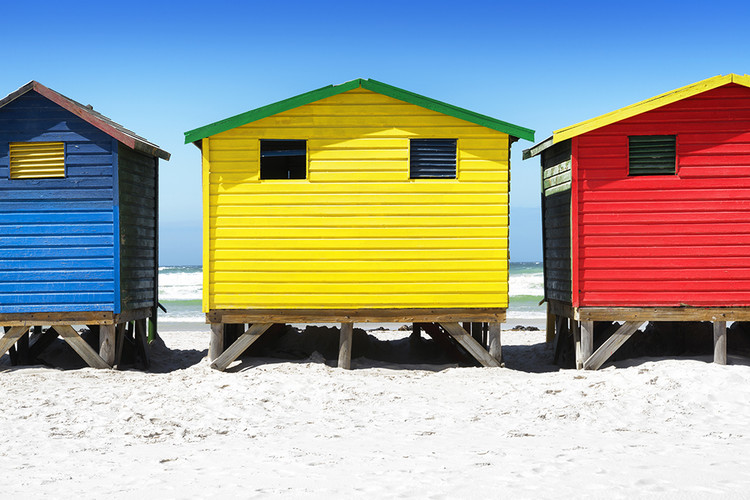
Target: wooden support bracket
x=611, y=345
x=11, y=337
x=471, y=345
x=240, y=345
x=90, y=356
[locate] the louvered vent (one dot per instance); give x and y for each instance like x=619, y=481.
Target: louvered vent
x=652, y=155
x=432, y=158
x=37, y=160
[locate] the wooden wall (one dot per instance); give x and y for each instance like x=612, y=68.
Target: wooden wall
x=137, y=207
x=668, y=240
x=556, y=190
x=357, y=233
x=56, y=235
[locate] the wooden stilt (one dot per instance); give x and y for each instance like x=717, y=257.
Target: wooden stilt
x=720, y=342
x=561, y=330
x=22, y=347
x=11, y=337
x=141, y=342
x=611, y=345
x=476, y=333
x=90, y=356
x=494, y=339
x=587, y=340
x=238, y=347
x=121, y=333
x=471, y=345
x=107, y=343
x=576, y=328
x=345, y=346
x=551, y=318
x=216, y=342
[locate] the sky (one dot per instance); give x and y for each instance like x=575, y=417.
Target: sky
x=161, y=69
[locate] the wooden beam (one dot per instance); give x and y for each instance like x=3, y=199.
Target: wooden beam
x=238, y=347
x=611, y=345
x=216, y=341
x=355, y=315
x=561, y=324
x=587, y=341
x=345, y=346
x=468, y=343
x=720, y=342
x=11, y=337
x=628, y=314
x=90, y=356
x=107, y=343
x=494, y=338
x=121, y=333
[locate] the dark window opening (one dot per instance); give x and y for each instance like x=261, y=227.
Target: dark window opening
x=283, y=159
x=652, y=155
x=432, y=159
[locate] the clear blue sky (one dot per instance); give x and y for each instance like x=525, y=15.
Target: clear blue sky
x=163, y=69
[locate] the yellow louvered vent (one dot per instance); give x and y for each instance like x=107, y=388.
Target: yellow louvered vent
x=37, y=160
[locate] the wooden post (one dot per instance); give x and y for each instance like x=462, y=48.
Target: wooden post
x=216, y=342
x=561, y=329
x=121, y=332
x=345, y=346
x=720, y=342
x=107, y=343
x=141, y=342
x=587, y=341
x=494, y=340
x=550, y=325
x=576, y=328
x=238, y=347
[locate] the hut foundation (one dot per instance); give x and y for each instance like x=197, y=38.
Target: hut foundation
x=581, y=321
x=482, y=324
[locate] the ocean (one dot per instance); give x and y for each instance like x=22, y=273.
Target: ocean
x=180, y=292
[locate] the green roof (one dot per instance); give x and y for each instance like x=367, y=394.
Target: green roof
x=369, y=84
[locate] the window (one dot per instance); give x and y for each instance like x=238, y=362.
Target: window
x=432, y=159
x=37, y=160
x=652, y=155
x=283, y=159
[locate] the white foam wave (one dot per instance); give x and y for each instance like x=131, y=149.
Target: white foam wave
x=526, y=284
x=181, y=285
x=516, y=314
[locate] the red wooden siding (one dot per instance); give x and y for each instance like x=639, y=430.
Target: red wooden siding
x=667, y=240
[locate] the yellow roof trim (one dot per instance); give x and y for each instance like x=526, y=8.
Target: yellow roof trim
x=648, y=105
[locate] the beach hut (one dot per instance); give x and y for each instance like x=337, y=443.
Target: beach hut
x=78, y=225
x=646, y=215
x=359, y=202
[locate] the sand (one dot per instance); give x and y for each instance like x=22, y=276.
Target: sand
x=304, y=429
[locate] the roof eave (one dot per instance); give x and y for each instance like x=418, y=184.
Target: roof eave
x=368, y=84
x=538, y=148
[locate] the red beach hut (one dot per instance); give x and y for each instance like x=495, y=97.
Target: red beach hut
x=646, y=215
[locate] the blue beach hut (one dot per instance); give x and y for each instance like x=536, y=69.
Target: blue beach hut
x=78, y=226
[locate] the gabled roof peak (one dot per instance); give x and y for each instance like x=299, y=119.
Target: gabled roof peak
x=87, y=113
x=367, y=84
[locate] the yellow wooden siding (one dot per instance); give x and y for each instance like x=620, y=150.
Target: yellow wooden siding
x=357, y=233
x=37, y=160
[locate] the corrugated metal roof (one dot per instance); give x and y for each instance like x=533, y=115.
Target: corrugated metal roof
x=87, y=113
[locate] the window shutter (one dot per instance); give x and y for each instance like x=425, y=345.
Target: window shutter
x=37, y=160
x=432, y=158
x=652, y=155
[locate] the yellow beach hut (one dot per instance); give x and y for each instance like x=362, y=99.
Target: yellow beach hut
x=358, y=202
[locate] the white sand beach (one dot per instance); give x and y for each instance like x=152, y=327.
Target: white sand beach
x=642, y=428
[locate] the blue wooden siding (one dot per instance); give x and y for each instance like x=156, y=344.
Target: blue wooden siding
x=137, y=209
x=57, y=235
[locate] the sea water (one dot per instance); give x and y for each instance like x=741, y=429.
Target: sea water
x=181, y=288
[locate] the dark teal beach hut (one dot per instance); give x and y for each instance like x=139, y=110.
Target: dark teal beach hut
x=78, y=225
